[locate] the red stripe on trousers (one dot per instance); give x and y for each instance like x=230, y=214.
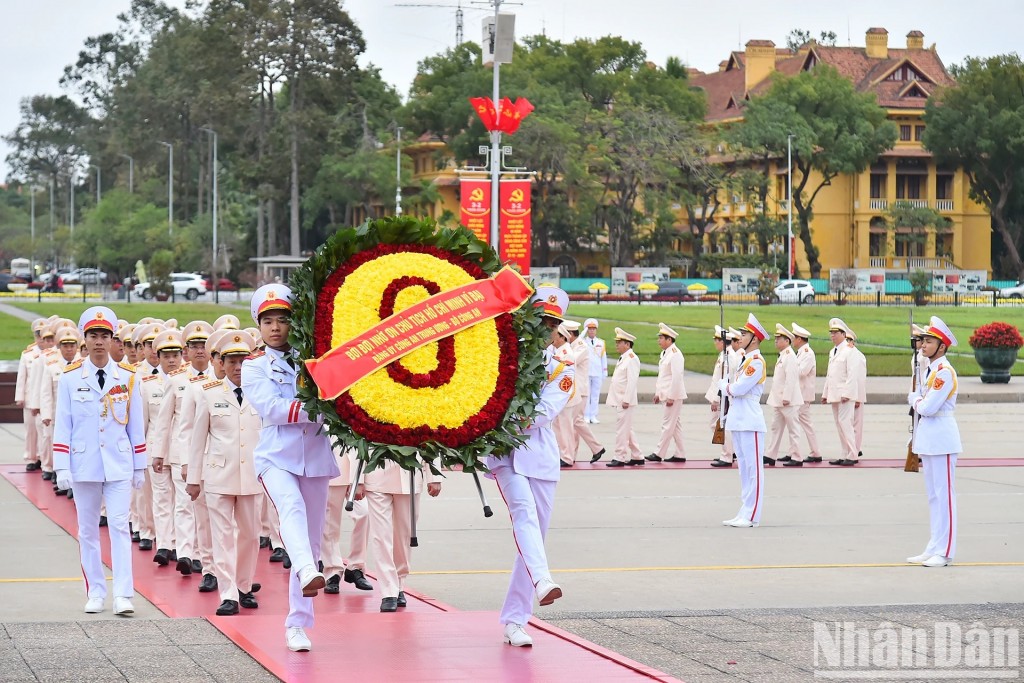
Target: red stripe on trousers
x=518, y=550
x=949, y=502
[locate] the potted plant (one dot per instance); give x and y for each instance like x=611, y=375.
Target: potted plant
x=995, y=348
x=161, y=264
x=920, y=286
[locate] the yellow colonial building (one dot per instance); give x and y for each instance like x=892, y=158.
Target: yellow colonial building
x=849, y=221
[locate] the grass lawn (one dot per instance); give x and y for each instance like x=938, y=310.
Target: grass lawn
x=883, y=333
x=15, y=334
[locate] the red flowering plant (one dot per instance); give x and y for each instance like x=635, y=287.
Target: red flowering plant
x=451, y=402
x=996, y=335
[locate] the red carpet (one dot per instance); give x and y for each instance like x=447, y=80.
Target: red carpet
x=427, y=641
x=871, y=463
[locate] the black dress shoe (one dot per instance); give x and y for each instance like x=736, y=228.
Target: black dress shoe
x=60, y=492
x=785, y=458
x=184, y=566
x=277, y=555
x=287, y=562
x=227, y=608
x=564, y=465
x=47, y=476
x=793, y=463
x=33, y=466
x=768, y=461
x=247, y=600
x=402, y=602
x=675, y=458
x=70, y=493
x=135, y=537
x=145, y=544
x=653, y=458
x=812, y=458
x=357, y=578
x=389, y=605
x=255, y=587
x=597, y=456
x=860, y=454
x=208, y=584
x=615, y=463
x=837, y=461
x=103, y=520
x=264, y=541
x=718, y=462
x=734, y=457
x=162, y=557
x=636, y=461
x=333, y=586
x=197, y=567
x=846, y=463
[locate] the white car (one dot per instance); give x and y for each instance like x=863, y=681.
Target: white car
x=1015, y=292
x=794, y=292
x=188, y=285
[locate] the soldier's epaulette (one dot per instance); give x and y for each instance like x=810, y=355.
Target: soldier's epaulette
x=675, y=350
x=29, y=347
x=74, y=366
x=149, y=378
x=215, y=383
x=255, y=354
x=53, y=361
x=198, y=379
x=50, y=351
x=183, y=368
x=125, y=365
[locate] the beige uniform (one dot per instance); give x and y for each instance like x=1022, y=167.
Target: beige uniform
x=153, y=389
x=47, y=396
x=204, y=535
x=785, y=400
x=142, y=499
x=330, y=549
x=563, y=425
x=670, y=387
x=38, y=376
x=20, y=389
x=808, y=368
x=623, y=390
x=859, y=377
x=840, y=393
x=712, y=396
x=580, y=428
x=224, y=435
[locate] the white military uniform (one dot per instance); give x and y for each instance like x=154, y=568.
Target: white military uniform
x=330, y=550
x=153, y=389
x=142, y=499
x=28, y=356
x=713, y=395
x=40, y=379
x=670, y=386
x=785, y=399
x=563, y=425
x=527, y=480
x=99, y=437
x=808, y=368
x=840, y=392
x=623, y=389
x=858, y=364
x=597, y=370
x=582, y=356
x=746, y=422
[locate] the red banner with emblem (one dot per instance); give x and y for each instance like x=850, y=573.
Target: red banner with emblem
x=475, y=207
x=514, y=223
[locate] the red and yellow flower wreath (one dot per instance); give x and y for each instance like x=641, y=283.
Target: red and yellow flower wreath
x=450, y=401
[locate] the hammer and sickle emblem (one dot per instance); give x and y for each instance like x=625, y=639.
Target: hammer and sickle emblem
x=477, y=195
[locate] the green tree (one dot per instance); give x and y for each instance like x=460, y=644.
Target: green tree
x=978, y=125
x=917, y=219
x=836, y=130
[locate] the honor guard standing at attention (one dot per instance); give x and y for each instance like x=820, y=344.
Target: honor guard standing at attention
x=336, y=566
x=859, y=376
x=527, y=479
x=840, y=393
x=68, y=340
x=937, y=443
x=563, y=426
x=167, y=345
x=293, y=457
x=808, y=368
x=37, y=376
x=34, y=350
x=622, y=395
x=670, y=390
x=125, y=336
x=582, y=356
x=597, y=370
x=99, y=447
x=785, y=400
x=723, y=342
x=147, y=366
x=919, y=363
x=746, y=422
x=223, y=438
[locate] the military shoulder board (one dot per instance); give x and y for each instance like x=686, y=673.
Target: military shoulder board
x=73, y=366
x=183, y=368
x=255, y=354
x=127, y=366
x=198, y=379
x=211, y=385
x=53, y=362
x=149, y=378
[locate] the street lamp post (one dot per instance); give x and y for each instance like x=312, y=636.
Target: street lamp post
x=53, y=184
x=789, y=202
x=170, y=185
x=213, y=265
x=398, y=171
x=99, y=180
x=131, y=172
x=495, y=134
x=71, y=193
x=32, y=232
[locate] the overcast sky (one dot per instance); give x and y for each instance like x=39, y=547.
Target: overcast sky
x=39, y=37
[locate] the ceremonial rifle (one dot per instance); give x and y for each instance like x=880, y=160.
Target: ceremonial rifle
x=718, y=437
x=913, y=461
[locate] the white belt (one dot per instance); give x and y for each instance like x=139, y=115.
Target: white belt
x=941, y=413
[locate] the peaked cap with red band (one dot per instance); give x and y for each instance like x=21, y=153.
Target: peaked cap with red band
x=938, y=329
x=270, y=298
x=552, y=301
x=97, y=318
x=755, y=328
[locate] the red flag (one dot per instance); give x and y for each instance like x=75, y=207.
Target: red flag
x=484, y=108
x=512, y=115
x=524, y=107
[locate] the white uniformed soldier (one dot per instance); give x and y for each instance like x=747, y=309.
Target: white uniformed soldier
x=293, y=457
x=336, y=565
x=28, y=356
x=167, y=344
x=68, y=340
x=622, y=395
x=223, y=439
x=582, y=352
x=147, y=365
x=37, y=377
x=723, y=342
x=563, y=425
x=859, y=375
x=839, y=392
x=785, y=400
x=99, y=447
x=670, y=390
x=597, y=370
x=746, y=422
x=527, y=479
x=807, y=364
x=937, y=443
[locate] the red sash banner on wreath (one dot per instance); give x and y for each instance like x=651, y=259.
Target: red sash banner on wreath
x=439, y=316
x=475, y=207
x=514, y=223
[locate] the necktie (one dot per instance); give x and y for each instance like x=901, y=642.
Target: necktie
x=100, y=378
x=199, y=374
x=238, y=394
x=155, y=370
x=290, y=361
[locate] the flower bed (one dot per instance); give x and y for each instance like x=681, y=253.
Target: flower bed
x=996, y=335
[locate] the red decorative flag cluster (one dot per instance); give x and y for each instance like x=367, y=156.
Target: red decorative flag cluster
x=510, y=117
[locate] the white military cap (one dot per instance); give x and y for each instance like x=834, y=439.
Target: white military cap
x=197, y=330
x=148, y=332
x=734, y=334
x=799, y=331
x=916, y=330
x=257, y=338
x=97, y=318
x=168, y=340
x=213, y=339
x=125, y=333
x=564, y=331
x=553, y=301
x=171, y=323
x=851, y=335
x=227, y=320
x=755, y=327
x=623, y=335
x=273, y=297
x=235, y=342
x=571, y=325
x=722, y=333
x=67, y=334
x=781, y=331
x=938, y=329
x=837, y=325
x=590, y=322
x=667, y=331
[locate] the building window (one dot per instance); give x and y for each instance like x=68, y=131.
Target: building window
x=908, y=186
x=918, y=133
x=905, y=133
x=878, y=182
x=943, y=186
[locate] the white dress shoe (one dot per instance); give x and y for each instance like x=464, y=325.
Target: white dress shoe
x=94, y=606
x=548, y=591
x=311, y=581
x=936, y=561
x=596, y=421
x=123, y=607
x=297, y=639
x=918, y=559
x=741, y=523
x=516, y=636
x=729, y=522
